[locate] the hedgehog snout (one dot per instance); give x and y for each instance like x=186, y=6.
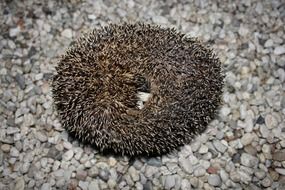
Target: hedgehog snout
x=143, y=97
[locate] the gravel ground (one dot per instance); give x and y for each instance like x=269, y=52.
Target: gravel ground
x=243, y=148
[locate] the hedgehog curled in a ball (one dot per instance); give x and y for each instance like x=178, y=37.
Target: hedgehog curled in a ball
x=137, y=88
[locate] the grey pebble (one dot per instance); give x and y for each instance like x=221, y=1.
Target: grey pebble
x=280, y=171
x=93, y=171
x=199, y=171
x=169, y=182
x=59, y=173
x=54, y=153
x=185, y=185
x=150, y=171
x=5, y=147
x=279, y=155
x=46, y=186
x=214, y=180
x=93, y=185
x=266, y=182
x=68, y=155
x=104, y=174
x=14, y=152
x=219, y=146
x=154, y=162
x=19, y=184
x=81, y=175
x=186, y=165
x=270, y=121
x=83, y=185
x=249, y=160
x=12, y=130
x=41, y=136
x=279, y=50
x=134, y=174
x=148, y=186
x=21, y=81
x=247, y=139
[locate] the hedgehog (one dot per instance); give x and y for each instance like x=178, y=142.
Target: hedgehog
x=137, y=88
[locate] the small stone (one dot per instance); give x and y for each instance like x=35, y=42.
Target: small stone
x=194, y=181
x=266, y=182
x=72, y=184
x=83, y=185
x=195, y=146
x=235, y=176
x=44, y=162
x=169, y=182
x=138, y=164
x=150, y=171
x=270, y=121
x=186, y=165
x=112, y=161
x=269, y=43
x=59, y=173
x=185, y=185
x=243, y=31
x=260, y=174
x=12, y=130
x=91, y=17
x=236, y=158
x=264, y=131
x=280, y=171
x=46, y=186
x=93, y=185
x=67, y=145
x=67, y=174
x=32, y=52
x=41, y=136
x=225, y=111
x=14, y=31
x=279, y=155
x=279, y=50
x=219, y=146
x=19, y=184
x=147, y=186
x=112, y=183
x=199, y=171
x=28, y=120
x=21, y=81
x=259, y=8
x=93, y=172
x=214, y=180
x=247, y=139
x=274, y=175
x=134, y=174
x=25, y=167
x=39, y=76
x=224, y=175
x=5, y=147
x=260, y=120
x=249, y=160
x=54, y=153
x=212, y=170
x=250, y=149
x=67, y=33
x=203, y=149
x=14, y=152
x=60, y=182
x=154, y=162
x=81, y=175
x=104, y=174
x=68, y=155
x=193, y=160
